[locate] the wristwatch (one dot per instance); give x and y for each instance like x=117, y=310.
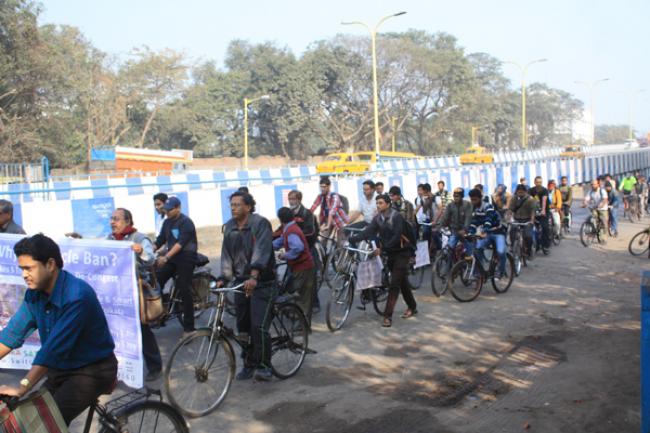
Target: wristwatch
x=25, y=383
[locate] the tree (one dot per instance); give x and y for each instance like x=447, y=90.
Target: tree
x=610, y=134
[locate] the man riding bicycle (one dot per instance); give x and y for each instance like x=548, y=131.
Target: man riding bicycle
x=555, y=206
x=457, y=217
x=247, y=256
x=523, y=208
x=567, y=197
x=628, y=189
x=486, y=222
x=597, y=202
x=76, y=351
x=541, y=195
x=332, y=213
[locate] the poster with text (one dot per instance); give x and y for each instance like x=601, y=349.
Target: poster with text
x=91, y=217
x=109, y=268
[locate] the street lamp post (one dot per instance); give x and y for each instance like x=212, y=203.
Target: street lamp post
x=592, y=90
x=630, y=108
x=375, y=96
x=247, y=102
x=524, y=70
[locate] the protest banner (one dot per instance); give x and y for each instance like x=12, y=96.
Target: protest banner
x=109, y=268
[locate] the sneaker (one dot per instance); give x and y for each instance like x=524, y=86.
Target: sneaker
x=263, y=374
x=152, y=376
x=245, y=373
x=498, y=276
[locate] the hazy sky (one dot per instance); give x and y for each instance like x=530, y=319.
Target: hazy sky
x=583, y=40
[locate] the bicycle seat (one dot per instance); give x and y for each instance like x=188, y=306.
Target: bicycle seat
x=201, y=260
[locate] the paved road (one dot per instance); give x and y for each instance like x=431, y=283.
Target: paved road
x=558, y=353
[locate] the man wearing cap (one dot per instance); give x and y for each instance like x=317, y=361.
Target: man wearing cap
x=178, y=234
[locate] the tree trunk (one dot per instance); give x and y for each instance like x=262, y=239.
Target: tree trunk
x=147, y=126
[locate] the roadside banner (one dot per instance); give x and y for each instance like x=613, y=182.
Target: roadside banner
x=109, y=268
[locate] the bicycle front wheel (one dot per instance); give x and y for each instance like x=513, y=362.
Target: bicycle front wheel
x=517, y=258
x=148, y=416
x=199, y=373
x=639, y=243
x=339, y=304
x=464, y=283
x=588, y=234
x=503, y=284
x=379, y=299
x=289, y=340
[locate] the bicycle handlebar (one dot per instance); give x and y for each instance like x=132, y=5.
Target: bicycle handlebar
x=10, y=400
x=234, y=289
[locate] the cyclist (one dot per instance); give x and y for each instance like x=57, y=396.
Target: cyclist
x=441, y=198
x=367, y=207
x=122, y=229
x=247, y=256
x=597, y=202
x=178, y=238
x=331, y=208
x=523, y=209
x=7, y=223
x=567, y=198
x=76, y=351
x=424, y=209
x=299, y=260
x=613, y=202
x=555, y=206
x=540, y=193
x=159, y=201
x=501, y=198
x=457, y=217
x=486, y=222
x=627, y=187
x=398, y=244
x=484, y=197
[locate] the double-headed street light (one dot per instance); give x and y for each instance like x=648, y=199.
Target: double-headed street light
x=375, y=96
x=247, y=102
x=524, y=70
x=592, y=90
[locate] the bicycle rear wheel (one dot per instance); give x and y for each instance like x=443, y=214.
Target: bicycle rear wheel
x=199, y=373
x=462, y=283
x=340, y=304
x=639, y=243
x=289, y=340
x=502, y=285
x=202, y=297
x=416, y=276
x=440, y=274
x=517, y=259
x=148, y=416
x=379, y=299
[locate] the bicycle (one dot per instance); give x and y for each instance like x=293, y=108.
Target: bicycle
x=518, y=247
x=556, y=233
x=342, y=295
x=590, y=233
x=447, y=257
x=201, y=367
x=466, y=277
x=130, y=413
x=202, y=280
x=567, y=220
x=633, y=209
x=640, y=243
x=416, y=275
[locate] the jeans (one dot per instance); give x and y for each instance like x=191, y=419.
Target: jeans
x=613, y=219
x=75, y=390
x=499, y=242
x=254, y=318
x=453, y=241
x=183, y=270
x=399, y=271
x=546, y=236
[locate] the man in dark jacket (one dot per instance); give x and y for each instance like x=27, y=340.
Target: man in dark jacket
x=304, y=218
x=391, y=229
x=247, y=256
x=7, y=223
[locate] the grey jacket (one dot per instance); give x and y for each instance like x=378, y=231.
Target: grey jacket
x=12, y=228
x=250, y=247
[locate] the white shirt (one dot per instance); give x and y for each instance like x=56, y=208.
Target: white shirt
x=368, y=208
x=160, y=219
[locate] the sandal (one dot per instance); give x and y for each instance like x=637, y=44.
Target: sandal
x=387, y=323
x=409, y=313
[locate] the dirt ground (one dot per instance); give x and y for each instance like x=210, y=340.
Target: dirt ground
x=559, y=352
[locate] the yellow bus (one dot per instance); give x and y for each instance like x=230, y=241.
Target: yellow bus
x=357, y=162
x=476, y=155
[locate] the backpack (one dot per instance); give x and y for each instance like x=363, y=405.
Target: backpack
x=345, y=204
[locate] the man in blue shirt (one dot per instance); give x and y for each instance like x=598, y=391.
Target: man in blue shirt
x=76, y=351
x=486, y=222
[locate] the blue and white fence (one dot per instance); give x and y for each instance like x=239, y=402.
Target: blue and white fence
x=85, y=206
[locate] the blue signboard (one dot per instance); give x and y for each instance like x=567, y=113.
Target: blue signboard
x=91, y=217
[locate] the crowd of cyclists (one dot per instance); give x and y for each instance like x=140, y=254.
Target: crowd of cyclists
x=473, y=220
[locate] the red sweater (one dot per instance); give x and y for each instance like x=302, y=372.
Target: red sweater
x=304, y=260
